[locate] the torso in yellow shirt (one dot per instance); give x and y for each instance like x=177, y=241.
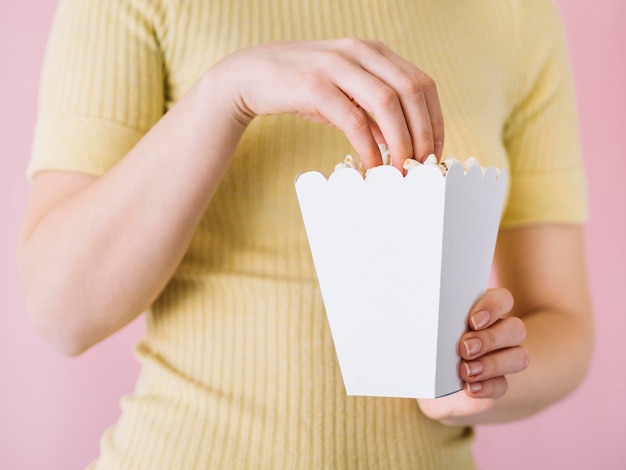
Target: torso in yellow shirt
x=238, y=365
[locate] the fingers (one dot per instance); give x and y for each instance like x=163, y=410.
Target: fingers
x=492, y=349
x=361, y=87
x=508, y=332
x=490, y=308
x=492, y=388
x=497, y=364
x=420, y=101
x=403, y=99
x=376, y=96
x=352, y=120
x=488, y=357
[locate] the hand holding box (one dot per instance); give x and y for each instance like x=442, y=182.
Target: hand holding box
x=400, y=261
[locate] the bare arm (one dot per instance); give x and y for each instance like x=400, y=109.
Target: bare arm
x=95, y=252
x=543, y=267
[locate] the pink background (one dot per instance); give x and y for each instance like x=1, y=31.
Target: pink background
x=53, y=409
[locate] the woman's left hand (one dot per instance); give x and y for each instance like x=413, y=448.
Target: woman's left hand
x=489, y=351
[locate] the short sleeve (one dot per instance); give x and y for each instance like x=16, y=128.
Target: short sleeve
x=541, y=134
x=102, y=85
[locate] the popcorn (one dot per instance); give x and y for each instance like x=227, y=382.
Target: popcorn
x=467, y=164
x=410, y=163
x=447, y=164
x=348, y=162
x=384, y=153
x=450, y=161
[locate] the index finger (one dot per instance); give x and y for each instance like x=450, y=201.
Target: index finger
x=490, y=308
x=420, y=101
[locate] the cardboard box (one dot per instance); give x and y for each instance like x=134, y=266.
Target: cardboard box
x=400, y=262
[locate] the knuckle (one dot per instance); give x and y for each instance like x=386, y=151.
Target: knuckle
x=489, y=339
x=357, y=120
x=501, y=385
x=495, y=388
x=522, y=328
x=493, y=365
x=518, y=326
x=525, y=357
x=507, y=299
x=377, y=44
x=425, y=136
x=314, y=82
x=438, y=133
x=313, y=86
x=386, y=96
x=411, y=85
x=427, y=81
x=499, y=301
x=351, y=43
x=327, y=60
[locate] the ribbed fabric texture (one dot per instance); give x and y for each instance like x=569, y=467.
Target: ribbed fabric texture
x=238, y=365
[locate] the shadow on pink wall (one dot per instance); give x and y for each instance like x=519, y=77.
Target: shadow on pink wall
x=53, y=409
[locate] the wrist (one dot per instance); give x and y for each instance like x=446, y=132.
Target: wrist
x=221, y=92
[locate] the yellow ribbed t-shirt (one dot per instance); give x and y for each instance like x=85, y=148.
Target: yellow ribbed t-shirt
x=238, y=365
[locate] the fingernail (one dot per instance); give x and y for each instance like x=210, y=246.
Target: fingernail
x=472, y=346
x=480, y=319
x=473, y=368
x=474, y=387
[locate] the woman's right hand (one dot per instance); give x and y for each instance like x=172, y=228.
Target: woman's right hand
x=360, y=86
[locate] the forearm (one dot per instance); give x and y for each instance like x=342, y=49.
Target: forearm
x=511, y=368
x=96, y=260
x=545, y=270
x=88, y=264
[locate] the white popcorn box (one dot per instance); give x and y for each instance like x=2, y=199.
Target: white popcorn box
x=400, y=261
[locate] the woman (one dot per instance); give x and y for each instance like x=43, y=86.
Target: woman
x=168, y=139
